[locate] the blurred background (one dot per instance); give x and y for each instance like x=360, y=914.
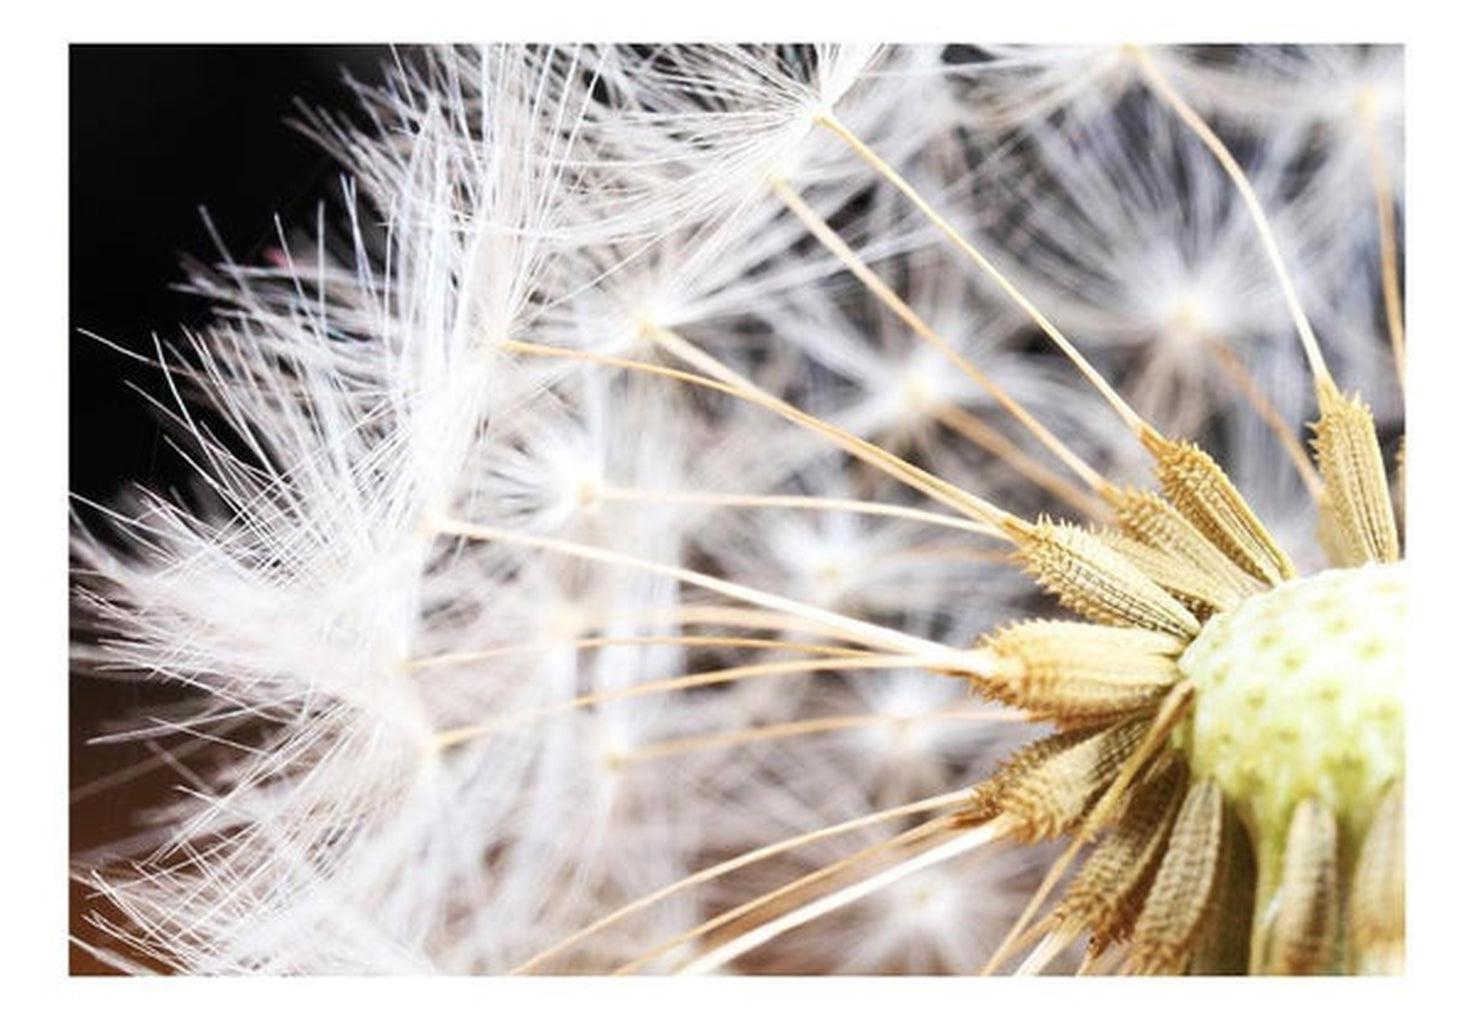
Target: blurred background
x=157, y=134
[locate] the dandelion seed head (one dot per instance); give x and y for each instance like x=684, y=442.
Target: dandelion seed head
x=494, y=636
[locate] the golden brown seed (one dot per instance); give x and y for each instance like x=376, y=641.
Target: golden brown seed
x=1196, y=591
x=1050, y=785
x=1399, y=481
x=1225, y=943
x=1094, y=581
x=1332, y=539
x=1197, y=487
x=1302, y=937
x=1109, y=891
x=1180, y=899
x=1376, y=906
x=1356, y=491
x=1080, y=672
x=1149, y=518
x=986, y=799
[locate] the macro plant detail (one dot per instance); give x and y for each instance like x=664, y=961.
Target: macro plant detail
x=564, y=596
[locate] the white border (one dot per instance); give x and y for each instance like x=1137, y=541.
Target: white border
x=34, y=410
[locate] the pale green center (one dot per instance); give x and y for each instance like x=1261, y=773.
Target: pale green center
x=1300, y=692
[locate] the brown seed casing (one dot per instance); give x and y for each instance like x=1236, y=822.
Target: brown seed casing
x=1332, y=539
x=1356, y=491
x=1376, y=904
x=1149, y=519
x=987, y=799
x=1080, y=673
x=1181, y=899
x=1302, y=938
x=1197, y=487
x=1225, y=941
x=1109, y=891
x=1049, y=786
x=1399, y=481
x=1095, y=581
x=1198, y=592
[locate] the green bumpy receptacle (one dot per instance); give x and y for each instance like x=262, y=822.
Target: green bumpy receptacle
x=1300, y=693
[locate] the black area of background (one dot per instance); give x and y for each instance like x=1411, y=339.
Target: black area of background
x=156, y=133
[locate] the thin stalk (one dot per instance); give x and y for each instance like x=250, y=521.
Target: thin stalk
x=845, y=254
x=1121, y=406
x=855, y=506
x=1248, y=388
x=696, y=614
x=1045, y=952
x=1193, y=120
x=805, y=727
x=968, y=503
x=950, y=553
x=972, y=428
x=871, y=634
x=1388, y=247
x=969, y=840
x=735, y=863
x=811, y=878
x=583, y=644
x=683, y=682
x=896, y=467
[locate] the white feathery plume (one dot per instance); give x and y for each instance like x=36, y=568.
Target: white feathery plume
x=894, y=388
x=302, y=602
x=1322, y=94
x=1338, y=110
x=1132, y=237
x=1004, y=88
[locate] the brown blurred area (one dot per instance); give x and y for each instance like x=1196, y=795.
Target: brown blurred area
x=112, y=786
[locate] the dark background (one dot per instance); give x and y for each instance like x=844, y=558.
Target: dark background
x=156, y=133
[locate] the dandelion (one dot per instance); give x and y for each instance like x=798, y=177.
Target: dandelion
x=613, y=566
